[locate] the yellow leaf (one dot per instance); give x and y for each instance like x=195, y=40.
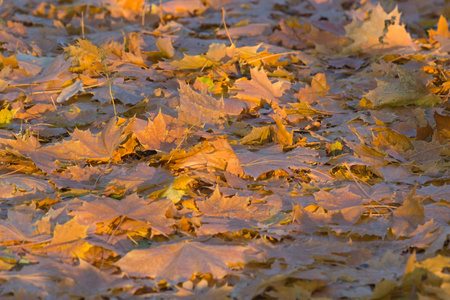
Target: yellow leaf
x=6, y=116
x=258, y=135
x=165, y=46
x=391, y=139
x=282, y=136
x=442, y=29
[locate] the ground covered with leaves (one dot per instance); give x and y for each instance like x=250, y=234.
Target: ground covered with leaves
x=212, y=149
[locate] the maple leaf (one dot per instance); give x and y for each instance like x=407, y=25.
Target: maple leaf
x=217, y=205
x=31, y=147
x=36, y=280
x=381, y=32
x=339, y=198
x=68, y=241
x=85, y=56
x=19, y=227
x=218, y=117
x=56, y=71
x=304, y=219
x=127, y=92
x=427, y=275
x=83, y=145
x=246, y=31
x=281, y=135
x=163, y=133
x=442, y=127
x=216, y=153
x=138, y=179
x=408, y=216
x=180, y=186
x=188, y=62
x=273, y=158
x=74, y=114
x=291, y=35
x=215, y=225
x=100, y=146
x=183, y=7
x=196, y=109
x=251, y=56
x=408, y=89
x=391, y=139
x=132, y=207
x=442, y=29
x=260, y=88
x=258, y=135
x=319, y=88
x=178, y=262
x=85, y=280
x=18, y=184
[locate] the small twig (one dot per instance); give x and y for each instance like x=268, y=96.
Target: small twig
x=12, y=172
x=161, y=16
x=115, y=230
x=181, y=142
x=225, y=25
x=82, y=24
x=103, y=171
x=129, y=236
x=20, y=85
x=144, y=7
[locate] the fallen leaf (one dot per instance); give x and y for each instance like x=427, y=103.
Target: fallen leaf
x=196, y=109
x=215, y=153
x=408, y=216
x=70, y=91
x=178, y=262
x=260, y=88
x=407, y=90
x=163, y=133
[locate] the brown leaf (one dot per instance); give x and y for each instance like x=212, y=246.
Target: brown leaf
x=338, y=198
x=215, y=153
x=196, y=108
x=178, y=262
x=68, y=241
x=100, y=146
x=246, y=31
x=19, y=227
x=442, y=126
x=260, y=88
x=163, y=133
x=132, y=207
x=408, y=216
x=408, y=89
x=219, y=206
x=273, y=158
x=127, y=92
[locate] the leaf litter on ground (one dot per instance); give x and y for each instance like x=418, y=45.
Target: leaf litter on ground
x=224, y=149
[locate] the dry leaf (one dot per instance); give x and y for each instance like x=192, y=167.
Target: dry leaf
x=178, y=262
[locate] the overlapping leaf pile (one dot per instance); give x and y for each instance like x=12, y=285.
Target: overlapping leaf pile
x=148, y=150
